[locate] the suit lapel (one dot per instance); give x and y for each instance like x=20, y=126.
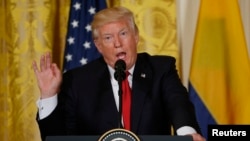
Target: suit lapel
x=108, y=107
x=142, y=80
x=106, y=99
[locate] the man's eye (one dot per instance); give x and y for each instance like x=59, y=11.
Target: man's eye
x=123, y=33
x=107, y=38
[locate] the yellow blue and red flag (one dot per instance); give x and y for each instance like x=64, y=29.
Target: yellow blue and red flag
x=219, y=81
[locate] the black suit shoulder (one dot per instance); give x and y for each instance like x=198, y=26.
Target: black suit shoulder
x=93, y=71
x=156, y=59
x=156, y=63
x=92, y=67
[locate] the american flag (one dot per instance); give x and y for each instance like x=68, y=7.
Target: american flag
x=80, y=48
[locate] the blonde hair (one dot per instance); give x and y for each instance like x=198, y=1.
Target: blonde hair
x=111, y=15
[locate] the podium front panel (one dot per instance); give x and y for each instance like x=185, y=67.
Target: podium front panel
x=142, y=138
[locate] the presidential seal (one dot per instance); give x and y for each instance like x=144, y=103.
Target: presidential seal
x=119, y=134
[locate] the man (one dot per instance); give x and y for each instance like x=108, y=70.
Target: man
x=85, y=100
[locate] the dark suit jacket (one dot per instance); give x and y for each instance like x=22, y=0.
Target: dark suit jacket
x=87, y=106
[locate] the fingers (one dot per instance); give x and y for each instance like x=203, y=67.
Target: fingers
x=42, y=63
x=48, y=60
x=45, y=61
x=35, y=67
x=56, y=70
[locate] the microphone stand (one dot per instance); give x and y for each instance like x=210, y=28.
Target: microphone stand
x=120, y=104
x=120, y=67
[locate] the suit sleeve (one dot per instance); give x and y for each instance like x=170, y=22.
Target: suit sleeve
x=179, y=106
x=54, y=124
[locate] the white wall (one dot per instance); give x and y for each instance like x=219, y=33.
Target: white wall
x=187, y=13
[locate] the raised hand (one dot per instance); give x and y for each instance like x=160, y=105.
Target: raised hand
x=49, y=76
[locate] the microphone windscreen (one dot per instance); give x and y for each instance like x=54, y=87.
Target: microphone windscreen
x=120, y=65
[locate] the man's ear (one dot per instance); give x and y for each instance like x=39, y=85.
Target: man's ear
x=136, y=38
x=98, y=45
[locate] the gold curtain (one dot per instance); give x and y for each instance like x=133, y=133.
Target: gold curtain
x=156, y=20
x=28, y=28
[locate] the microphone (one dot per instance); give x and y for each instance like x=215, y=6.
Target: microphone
x=120, y=67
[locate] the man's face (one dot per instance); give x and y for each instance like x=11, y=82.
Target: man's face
x=117, y=40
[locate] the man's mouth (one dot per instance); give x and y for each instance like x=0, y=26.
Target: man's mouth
x=121, y=55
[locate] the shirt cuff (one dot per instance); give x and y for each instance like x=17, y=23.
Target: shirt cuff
x=46, y=106
x=185, y=130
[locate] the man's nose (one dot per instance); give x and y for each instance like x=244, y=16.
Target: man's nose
x=117, y=42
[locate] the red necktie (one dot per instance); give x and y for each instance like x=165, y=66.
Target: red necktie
x=126, y=102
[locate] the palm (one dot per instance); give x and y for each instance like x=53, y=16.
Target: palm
x=48, y=81
x=48, y=77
